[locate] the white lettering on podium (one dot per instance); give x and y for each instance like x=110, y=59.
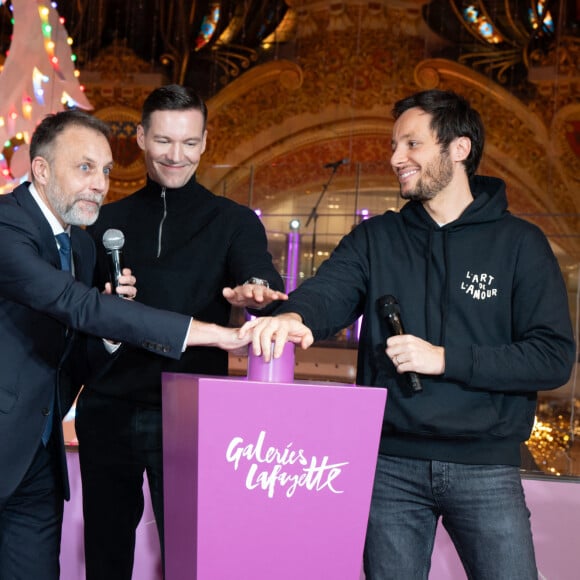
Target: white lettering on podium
x=314, y=475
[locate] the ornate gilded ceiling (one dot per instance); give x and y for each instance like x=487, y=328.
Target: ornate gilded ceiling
x=316, y=80
x=352, y=61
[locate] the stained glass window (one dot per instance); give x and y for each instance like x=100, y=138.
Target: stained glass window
x=208, y=26
x=540, y=17
x=481, y=25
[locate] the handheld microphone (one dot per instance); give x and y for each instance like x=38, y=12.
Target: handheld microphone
x=114, y=240
x=336, y=164
x=388, y=308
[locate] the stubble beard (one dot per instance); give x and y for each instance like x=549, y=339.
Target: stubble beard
x=436, y=177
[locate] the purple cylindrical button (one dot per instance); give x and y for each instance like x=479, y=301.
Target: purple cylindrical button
x=278, y=370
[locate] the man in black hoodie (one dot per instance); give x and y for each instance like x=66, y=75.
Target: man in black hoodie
x=487, y=326
x=193, y=253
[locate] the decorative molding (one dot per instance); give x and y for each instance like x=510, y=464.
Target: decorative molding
x=129, y=171
x=565, y=135
x=117, y=62
x=309, y=149
x=560, y=64
x=286, y=73
x=357, y=74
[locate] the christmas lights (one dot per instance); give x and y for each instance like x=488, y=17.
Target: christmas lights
x=38, y=77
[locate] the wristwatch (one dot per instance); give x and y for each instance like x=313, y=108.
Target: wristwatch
x=257, y=281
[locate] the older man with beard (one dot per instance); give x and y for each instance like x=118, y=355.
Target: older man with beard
x=46, y=307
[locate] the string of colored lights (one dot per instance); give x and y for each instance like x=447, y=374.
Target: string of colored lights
x=38, y=77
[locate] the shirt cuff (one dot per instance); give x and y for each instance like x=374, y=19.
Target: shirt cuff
x=111, y=347
x=184, y=347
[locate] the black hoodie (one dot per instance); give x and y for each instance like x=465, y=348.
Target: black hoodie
x=487, y=287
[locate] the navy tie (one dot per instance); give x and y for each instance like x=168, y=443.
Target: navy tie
x=65, y=265
x=64, y=251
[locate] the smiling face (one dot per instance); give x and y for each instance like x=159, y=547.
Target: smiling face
x=173, y=145
x=73, y=177
x=422, y=167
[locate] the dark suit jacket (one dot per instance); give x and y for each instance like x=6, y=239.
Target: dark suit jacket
x=44, y=314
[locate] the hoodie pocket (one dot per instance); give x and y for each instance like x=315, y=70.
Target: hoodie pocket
x=446, y=410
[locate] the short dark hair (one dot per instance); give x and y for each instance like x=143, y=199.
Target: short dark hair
x=53, y=125
x=172, y=98
x=451, y=116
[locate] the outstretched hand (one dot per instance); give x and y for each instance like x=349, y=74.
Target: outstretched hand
x=287, y=327
x=252, y=296
x=209, y=334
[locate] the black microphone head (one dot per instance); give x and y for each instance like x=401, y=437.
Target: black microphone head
x=388, y=305
x=113, y=239
x=336, y=164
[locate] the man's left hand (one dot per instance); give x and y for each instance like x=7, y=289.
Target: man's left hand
x=413, y=354
x=126, y=287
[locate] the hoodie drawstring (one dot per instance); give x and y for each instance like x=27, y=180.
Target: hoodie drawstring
x=428, y=267
x=445, y=294
x=444, y=299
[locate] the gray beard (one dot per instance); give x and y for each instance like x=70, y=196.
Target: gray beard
x=69, y=214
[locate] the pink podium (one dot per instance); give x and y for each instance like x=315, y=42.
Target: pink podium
x=267, y=480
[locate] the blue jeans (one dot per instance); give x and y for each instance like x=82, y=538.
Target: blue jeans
x=482, y=508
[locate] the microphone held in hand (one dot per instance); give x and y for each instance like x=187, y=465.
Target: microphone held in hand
x=114, y=240
x=336, y=164
x=389, y=309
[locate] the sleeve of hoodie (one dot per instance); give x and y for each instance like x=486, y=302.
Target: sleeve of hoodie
x=334, y=298
x=542, y=352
